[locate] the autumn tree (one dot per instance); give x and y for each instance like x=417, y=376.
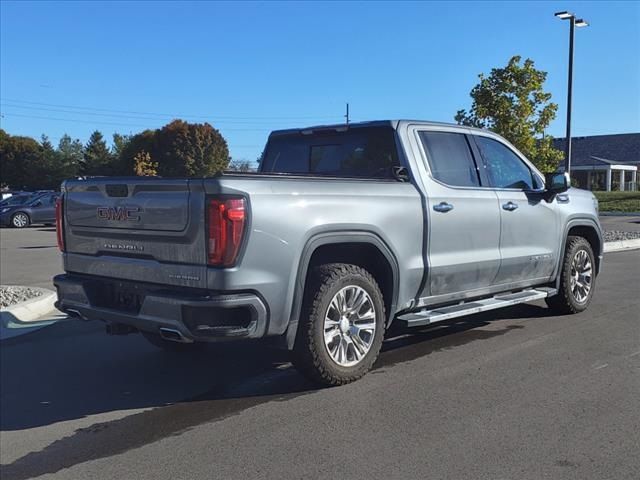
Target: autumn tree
x=511, y=102
x=143, y=165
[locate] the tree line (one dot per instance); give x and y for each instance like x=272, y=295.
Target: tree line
x=178, y=149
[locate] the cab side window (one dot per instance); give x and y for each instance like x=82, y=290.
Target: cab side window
x=450, y=158
x=504, y=168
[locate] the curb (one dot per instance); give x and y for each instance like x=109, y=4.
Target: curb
x=619, y=214
x=620, y=245
x=30, y=310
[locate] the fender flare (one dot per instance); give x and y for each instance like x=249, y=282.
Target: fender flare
x=337, y=237
x=577, y=222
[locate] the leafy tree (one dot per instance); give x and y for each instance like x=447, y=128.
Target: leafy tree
x=70, y=154
x=144, y=166
x=20, y=162
x=190, y=149
x=127, y=151
x=511, y=102
x=97, y=159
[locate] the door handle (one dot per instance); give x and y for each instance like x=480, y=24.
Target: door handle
x=510, y=206
x=443, y=207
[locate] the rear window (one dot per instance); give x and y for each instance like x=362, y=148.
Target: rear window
x=357, y=152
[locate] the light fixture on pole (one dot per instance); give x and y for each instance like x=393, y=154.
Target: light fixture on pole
x=573, y=22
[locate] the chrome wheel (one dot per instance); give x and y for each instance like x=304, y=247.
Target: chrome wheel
x=20, y=220
x=349, y=326
x=581, y=271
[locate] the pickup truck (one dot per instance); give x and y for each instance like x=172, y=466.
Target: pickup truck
x=342, y=232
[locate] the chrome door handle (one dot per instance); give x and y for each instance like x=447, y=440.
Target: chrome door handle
x=443, y=207
x=510, y=206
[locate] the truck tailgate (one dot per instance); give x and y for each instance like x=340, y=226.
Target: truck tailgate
x=137, y=228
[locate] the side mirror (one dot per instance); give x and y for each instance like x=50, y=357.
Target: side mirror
x=37, y=204
x=556, y=182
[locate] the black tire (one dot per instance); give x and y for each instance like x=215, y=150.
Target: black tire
x=310, y=354
x=168, y=346
x=15, y=220
x=566, y=301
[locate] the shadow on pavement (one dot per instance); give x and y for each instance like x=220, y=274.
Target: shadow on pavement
x=72, y=369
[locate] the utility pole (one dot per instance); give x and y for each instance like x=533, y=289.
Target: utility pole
x=347, y=115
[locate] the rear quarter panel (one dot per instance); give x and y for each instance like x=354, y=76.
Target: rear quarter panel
x=286, y=214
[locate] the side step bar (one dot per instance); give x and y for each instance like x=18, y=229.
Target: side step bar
x=427, y=317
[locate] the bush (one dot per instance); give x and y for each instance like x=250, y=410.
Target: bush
x=618, y=201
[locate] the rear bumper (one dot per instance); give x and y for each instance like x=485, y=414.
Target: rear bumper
x=197, y=315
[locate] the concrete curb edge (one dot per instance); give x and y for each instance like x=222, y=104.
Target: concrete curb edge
x=620, y=245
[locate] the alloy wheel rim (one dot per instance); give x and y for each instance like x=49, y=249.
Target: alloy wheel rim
x=349, y=326
x=581, y=276
x=20, y=220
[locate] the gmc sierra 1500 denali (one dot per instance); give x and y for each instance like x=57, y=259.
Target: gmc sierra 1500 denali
x=342, y=231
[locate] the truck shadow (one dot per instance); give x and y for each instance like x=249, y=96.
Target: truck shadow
x=71, y=370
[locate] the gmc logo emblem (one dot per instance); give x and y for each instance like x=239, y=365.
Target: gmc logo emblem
x=119, y=214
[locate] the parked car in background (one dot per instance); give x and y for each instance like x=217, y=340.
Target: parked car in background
x=34, y=209
x=17, y=199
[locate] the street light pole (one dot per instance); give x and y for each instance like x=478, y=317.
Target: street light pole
x=573, y=22
x=567, y=143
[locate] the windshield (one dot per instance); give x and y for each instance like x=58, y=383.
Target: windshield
x=358, y=152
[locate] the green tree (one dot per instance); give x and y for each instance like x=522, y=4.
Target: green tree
x=189, y=149
x=511, y=102
x=144, y=166
x=70, y=153
x=20, y=158
x=97, y=159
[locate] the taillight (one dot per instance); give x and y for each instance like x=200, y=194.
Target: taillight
x=227, y=217
x=59, y=232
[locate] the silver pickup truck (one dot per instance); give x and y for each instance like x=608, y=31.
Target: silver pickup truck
x=342, y=231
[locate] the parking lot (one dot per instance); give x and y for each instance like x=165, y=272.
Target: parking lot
x=510, y=394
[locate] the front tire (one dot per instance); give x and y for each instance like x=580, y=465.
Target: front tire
x=577, y=278
x=20, y=220
x=341, y=326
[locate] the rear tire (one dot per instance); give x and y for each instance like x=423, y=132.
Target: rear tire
x=20, y=220
x=168, y=346
x=341, y=325
x=577, y=278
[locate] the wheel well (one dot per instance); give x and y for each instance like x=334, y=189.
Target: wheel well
x=590, y=234
x=365, y=255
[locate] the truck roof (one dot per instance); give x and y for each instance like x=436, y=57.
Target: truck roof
x=372, y=123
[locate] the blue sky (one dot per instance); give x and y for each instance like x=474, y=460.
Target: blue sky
x=248, y=68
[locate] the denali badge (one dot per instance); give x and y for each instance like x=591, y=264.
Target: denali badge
x=124, y=246
x=119, y=213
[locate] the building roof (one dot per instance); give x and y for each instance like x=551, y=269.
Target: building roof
x=619, y=149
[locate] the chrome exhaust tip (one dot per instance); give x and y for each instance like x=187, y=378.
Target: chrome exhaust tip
x=173, y=335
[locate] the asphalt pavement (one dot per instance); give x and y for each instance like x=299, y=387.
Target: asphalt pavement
x=29, y=256
x=510, y=394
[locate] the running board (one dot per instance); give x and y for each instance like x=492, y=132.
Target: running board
x=427, y=317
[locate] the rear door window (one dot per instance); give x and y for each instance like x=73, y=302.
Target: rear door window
x=450, y=158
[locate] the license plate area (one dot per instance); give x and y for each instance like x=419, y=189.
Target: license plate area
x=114, y=295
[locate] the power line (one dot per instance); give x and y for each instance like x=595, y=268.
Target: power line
x=100, y=122
x=116, y=115
x=174, y=115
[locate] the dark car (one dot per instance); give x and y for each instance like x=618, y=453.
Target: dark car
x=37, y=209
